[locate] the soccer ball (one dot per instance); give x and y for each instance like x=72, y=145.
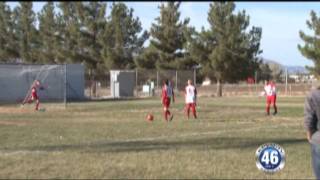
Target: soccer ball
x=150, y=117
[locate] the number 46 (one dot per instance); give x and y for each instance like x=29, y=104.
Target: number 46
x=273, y=157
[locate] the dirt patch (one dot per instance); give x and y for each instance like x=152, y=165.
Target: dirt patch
x=16, y=123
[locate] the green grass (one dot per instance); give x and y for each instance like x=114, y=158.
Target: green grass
x=112, y=139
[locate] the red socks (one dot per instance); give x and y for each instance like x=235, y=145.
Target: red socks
x=166, y=114
x=194, y=112
x=37, y=105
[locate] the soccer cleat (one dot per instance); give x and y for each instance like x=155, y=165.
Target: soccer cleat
x=171, y=117
x=275, y=113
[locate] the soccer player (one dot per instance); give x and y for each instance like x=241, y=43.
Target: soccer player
x=34, y=95
x=166, y=96
x=270, y=89
x=191, y=99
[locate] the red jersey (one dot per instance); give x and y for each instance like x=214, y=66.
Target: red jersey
x=34, y=92
x=167, y=92
x=164, y=92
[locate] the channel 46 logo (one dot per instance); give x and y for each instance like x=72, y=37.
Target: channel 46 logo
x=270, y=157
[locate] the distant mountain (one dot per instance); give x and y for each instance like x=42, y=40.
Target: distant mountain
x=291, y=69
x=269, y=61
x=296, y=69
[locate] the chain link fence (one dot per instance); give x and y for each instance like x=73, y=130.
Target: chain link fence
x=147, y=82
x=97, y=86
x=298, y=89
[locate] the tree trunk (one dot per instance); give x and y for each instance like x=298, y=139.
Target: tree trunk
x=219, y=88
x=94, y=88
x=93, y=85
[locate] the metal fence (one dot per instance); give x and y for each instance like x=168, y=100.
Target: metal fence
x=294, y=89
x=99, y=86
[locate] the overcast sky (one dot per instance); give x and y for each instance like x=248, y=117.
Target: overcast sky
x=280, y=22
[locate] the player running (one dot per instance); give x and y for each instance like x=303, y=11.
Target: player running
x=34, y=95
x=271, y=93
x=166, y=96
x=191, y=99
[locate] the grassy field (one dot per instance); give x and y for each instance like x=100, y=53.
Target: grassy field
x=112, y=139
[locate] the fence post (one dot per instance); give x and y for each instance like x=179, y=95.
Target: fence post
x=106, y=76
x=286, y=88
x=90, y=83
x=65, y=86
x=176, y=80
x=195, y=77
x=157, y=79
x=136, y=88
x=255, y=81
x=290, y=90
x=114, y=89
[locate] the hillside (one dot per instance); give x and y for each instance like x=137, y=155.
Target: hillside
x=291, y=69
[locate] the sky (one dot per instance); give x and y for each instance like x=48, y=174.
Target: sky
x=280, y=23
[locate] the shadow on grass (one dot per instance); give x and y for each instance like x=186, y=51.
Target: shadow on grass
x=148, y=145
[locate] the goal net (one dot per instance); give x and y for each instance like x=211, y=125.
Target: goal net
x=60, y=83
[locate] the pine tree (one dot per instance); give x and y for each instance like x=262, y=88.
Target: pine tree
x=8, y=41
x=69, y=33
x=121, y=41
x=277, y=72
x=26, y=32
x=200, y=46
x=4, y=17
x=92, y=24
x=47, y=34
x=311, y=47
x=147, y=59
x=169, y=37
x=234, y=53
x=264, y=72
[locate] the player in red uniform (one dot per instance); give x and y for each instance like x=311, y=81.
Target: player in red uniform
x=191, y=99
x=34, y=95
x=166, y=96
x=270, y=89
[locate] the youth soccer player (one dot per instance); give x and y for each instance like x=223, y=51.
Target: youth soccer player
x=270, y=89
x=166, y=96
x=191, y=99
x=34, y=95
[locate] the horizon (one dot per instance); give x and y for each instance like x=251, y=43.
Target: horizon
x=278, y=44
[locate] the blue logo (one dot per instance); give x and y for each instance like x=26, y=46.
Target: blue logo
x=270, y=157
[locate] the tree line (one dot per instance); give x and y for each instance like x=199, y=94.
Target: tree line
x=81, y=32
x=311, y=47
